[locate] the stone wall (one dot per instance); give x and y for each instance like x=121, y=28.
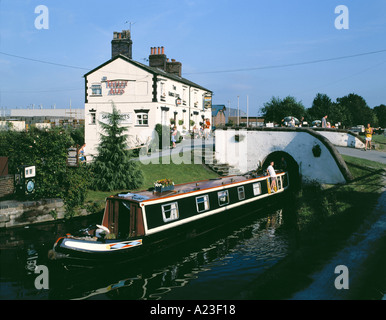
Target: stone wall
x=22, y=213
x=6, y=185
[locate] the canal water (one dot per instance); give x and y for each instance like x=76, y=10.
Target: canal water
x=217, y=266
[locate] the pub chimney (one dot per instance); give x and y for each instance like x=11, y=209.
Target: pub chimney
x=122, y=44
x=158, y=59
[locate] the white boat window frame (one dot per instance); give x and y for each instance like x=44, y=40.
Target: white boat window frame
x=173, y=212
x=205, y=201
x=218, y=197
x=279, y=183
x=241, y=191
x=257, y=186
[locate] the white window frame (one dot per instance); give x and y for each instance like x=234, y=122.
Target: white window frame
x=203, y=199
x=256, y=188
x=92, y=118
x=94, y=88
x=241, y=190
x=140, y=118
x=173, y=212
x=220, y=194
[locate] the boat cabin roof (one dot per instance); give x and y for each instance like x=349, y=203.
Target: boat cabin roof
x=150, y=194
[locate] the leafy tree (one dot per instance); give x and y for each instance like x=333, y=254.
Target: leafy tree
x=113, y=167
x=357, y=109
x=321, y=106
x=277, y=109
x=380, y=112
x=47, y=151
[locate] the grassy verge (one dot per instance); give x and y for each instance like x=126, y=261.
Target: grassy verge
x=179, y=173
x=380, y=140
x=326, y=217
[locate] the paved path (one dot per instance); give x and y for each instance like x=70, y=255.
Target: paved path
x=372, y=155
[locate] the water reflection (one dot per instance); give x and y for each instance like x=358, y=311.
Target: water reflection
x=214, y=267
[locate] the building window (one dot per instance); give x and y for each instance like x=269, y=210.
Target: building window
x=241, y=193
x=202, y=203
x=96, y=90
x=92, y=114
x=223, y=198
x=257, y=188
x=163, y=94
x=142, y=119
x=170, y=212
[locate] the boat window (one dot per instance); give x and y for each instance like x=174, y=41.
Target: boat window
x=170, y=211
x=202, y=203
x=223, y=197
x=241, y=192
x=257, y=188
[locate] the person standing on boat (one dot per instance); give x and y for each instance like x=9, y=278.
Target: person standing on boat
x=272, y=174
x=369, y=134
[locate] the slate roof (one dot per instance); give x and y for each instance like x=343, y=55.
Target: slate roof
x=153, y=70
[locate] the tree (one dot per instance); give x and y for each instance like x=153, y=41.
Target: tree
x=113, y=167
x=321, y=106
x=357, y=109
x=277, y=109
x=47, y=150
x=380, y=112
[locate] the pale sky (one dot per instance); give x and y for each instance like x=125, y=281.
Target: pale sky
x=239, y=48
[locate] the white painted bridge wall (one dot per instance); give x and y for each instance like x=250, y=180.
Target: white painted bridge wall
x=255, y=146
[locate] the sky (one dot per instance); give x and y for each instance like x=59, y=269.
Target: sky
x=244, y=50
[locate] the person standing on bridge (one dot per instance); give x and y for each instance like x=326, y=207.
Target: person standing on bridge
x=272, y=173
x=369, y=134
x=324, y=122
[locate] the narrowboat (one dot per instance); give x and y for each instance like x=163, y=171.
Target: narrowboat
x=136, y=224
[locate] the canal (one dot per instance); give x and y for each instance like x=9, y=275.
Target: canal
x=217, y=266
x=230, y=263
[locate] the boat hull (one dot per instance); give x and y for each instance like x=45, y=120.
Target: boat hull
x=78, y=252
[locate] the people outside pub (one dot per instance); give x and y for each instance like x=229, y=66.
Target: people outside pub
x=174, y=135
x=272, y=174
x=368, y=136
x=206, y=128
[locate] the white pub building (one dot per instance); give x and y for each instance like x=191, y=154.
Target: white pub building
x=145, y=95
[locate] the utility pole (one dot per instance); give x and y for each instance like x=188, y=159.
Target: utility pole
x=238, y=110
x=247, y=114
x=229, y=109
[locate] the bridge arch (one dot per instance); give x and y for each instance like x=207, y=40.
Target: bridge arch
x=315, y=156
x=290, y=165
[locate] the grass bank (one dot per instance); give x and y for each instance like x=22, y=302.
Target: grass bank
x=179, y=173
x=380, y=141
x=326, y=217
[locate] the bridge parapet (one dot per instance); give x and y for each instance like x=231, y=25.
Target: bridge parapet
x=342, y=138
x=316, y=156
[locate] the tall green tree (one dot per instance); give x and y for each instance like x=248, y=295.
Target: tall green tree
x=357, y=109
x=113, y=168
x=380, y=112
x=321, y=106
x=277, y=109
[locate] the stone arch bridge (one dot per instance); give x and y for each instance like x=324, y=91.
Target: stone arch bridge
x=310, y=154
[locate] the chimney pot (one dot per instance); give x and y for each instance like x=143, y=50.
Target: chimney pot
x=162, y=50
x=159, y=50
